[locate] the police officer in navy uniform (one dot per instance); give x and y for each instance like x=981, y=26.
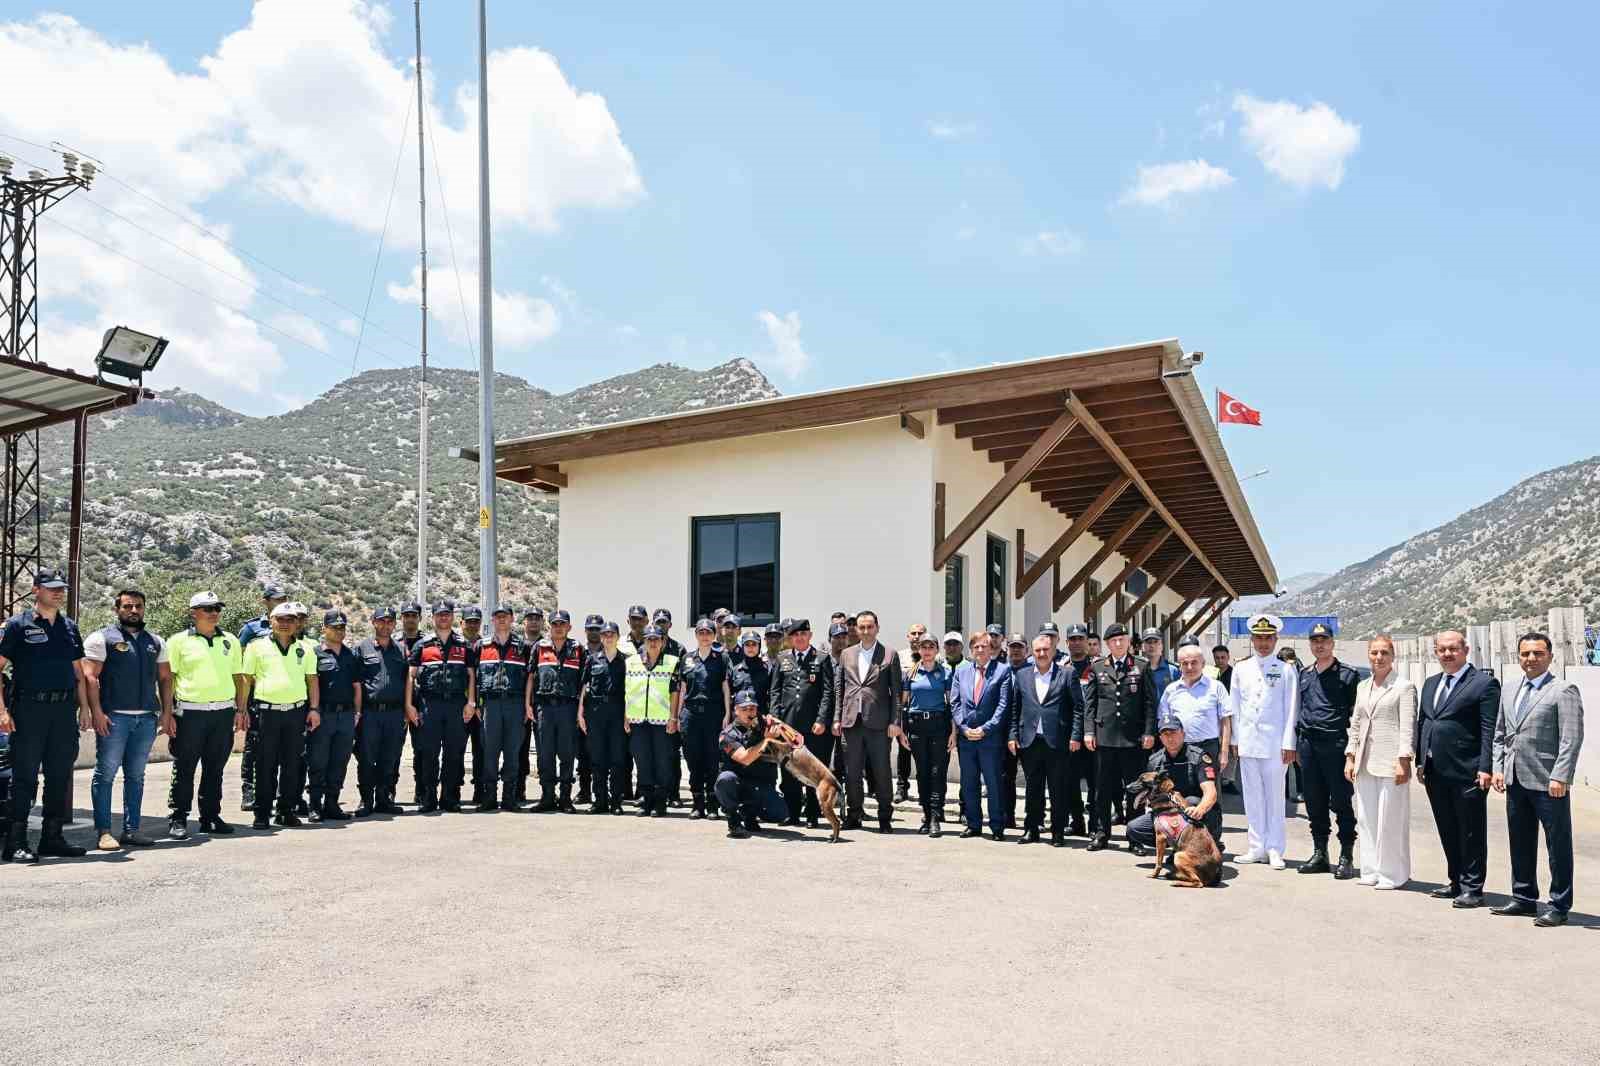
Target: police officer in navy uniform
x=1194, y=777
x=271, y=595
x=499, y=664
x=532, y=634
x=409, y=636
x=1322, y=728
x=437, y=680
x=802, y=681
x=1080, y=760
x=750, y=669
x=328, y=747
x=1119, y=725
x=704, y=682
x=600, y=717
x=382, y=726
x=558, y=662
x=746, y=787
x=44, y=709
x=591, y=638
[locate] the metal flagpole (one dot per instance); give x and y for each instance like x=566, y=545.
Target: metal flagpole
x=488, y=580
x=422, y=383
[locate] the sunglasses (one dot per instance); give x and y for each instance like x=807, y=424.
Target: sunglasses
x=210, y=610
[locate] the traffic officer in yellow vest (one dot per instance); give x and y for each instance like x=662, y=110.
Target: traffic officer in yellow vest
x=253, y=630
x=1265, y=698
x=282, y=673
x=200, y=714
x=650, y=718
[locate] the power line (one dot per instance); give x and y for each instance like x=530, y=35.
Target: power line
x=455, y=266
x=394, y=183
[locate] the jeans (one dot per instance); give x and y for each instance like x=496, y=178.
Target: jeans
x=980, y=762
x=125, y=748
x=751, y=799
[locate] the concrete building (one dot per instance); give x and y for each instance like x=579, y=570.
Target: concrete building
x=1090, y=486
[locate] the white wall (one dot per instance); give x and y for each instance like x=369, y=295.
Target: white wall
x=968, y=475
x=855, y=505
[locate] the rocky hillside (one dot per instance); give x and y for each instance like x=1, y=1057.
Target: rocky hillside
x=1532, y=548
x=323, y=498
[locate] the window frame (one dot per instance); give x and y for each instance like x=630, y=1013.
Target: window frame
x=956, y=566
x=992, y=542
x=698, y=610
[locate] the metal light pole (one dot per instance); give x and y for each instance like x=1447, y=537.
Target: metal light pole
x=488, y=574
x=422, y=381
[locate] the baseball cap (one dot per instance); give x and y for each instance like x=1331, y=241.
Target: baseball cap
x=443, y=607
x=300, y=609
x=653, y=631
x=638, y=610
x=411, y=607
x=1169, y=721
x=1015, y=641
x=205, y=599
x=745, y=698
x=50, y=579
x=955, y=637
x=283, y=610
x=927, y=638
x=731, y=619
x=704, y=625
x=774, y=630
x=610, y=627
x=505, y=608
x=380, y=614
x=472, y=613
x=661, y=615
x=995, y=629
x=1049, y=629
x=752, y=637
x=336, y=619
x=533, y=612
x=1150, y=634
x=593, y=621
x=560, y=617
x=1321, y=629
x=273, y=592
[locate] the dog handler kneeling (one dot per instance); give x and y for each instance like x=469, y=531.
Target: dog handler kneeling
x=747, y=783
x=1194, y=777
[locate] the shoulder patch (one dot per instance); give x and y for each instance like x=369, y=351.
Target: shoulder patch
x=1205, y=757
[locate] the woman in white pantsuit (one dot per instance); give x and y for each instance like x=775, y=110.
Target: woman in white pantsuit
x=1377, y=760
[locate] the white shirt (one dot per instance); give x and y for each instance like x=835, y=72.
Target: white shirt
x=1041, y=685
x=94, y=649
x=1266, y=702
x=864, y=662
x=1447, y=684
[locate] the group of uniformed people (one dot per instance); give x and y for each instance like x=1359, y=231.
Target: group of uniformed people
x=620, y=713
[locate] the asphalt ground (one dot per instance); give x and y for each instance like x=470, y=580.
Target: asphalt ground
x=578, y=939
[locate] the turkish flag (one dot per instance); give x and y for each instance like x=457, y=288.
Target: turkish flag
x=1231, y=410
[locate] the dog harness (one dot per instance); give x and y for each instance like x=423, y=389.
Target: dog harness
x=1171, y=824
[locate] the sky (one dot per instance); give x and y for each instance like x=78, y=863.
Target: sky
x=1376, y=220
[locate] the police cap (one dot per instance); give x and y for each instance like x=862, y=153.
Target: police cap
x=995, y=629
x=1049, y=629
x=444, y=607
x=774, y=630
x=472, y=613
x=638, y=610
x=704, y=625
x=205, y=599
x=799, y=625
x=271, y=591
x=654, y=633
x=593, y=621
x=719, y=614
x=954, y=637
x=661, y=615
x=609, y=627
x=283, y=610
x=745, y=698
x=334, y=619
x=752, y=637
x=505, y=608
x=382, y=614
x=560, y=617
x=1116, y=629
x=533, y=612
x=1189, y=641
x=49, y=579
x=1077, y=629
x=838, y=629
x=1169, y=721
x=1321, y=629
x=1015, y=641
x=1150, y=634
x=731, y=619
x=412, y=607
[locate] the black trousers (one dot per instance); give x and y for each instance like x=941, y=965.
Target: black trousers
x=1460, y=810
x=1324, y=788
x=1008, y=785
x=381, y=735
x=525, y=759
x=480, y=777
x=1115, y=770
x=328, y=751
x=930, y=750
x=701, y=730
x=653, y=751
x=1080, y=774
x=204, y=738
x=1528, y=809
x=283, y=739
x=868, y=749
x=801, y=800
x=44, y=741
x=607, y=746
x=902, y=770
x=441, y=740
x=558, y=745
x=252, y=749
x=1046, y=769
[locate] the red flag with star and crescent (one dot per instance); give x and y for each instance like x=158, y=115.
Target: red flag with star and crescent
x=1230, y=409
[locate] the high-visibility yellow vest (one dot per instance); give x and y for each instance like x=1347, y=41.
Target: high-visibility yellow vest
x=647, y=692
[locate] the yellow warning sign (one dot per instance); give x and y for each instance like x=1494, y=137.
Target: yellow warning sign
x=483, y=518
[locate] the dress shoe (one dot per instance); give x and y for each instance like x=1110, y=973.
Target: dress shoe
x=900, y=793
x=644, y=810
x=851, y=823
x=616, y=806
x=131, y=838
x=178, y=828
x=567, y=807
x=968, y=833
x=314, y=817
x=17, y=845
x=584, y=796
x=1248, y=857
x=698, y=812
x=387, y=805
x=261, y=822
x=107, y=842
x=935, y=829
x=1138, y=851
x=1347, y=866
x=336, y=813
x=1445, y=892
x=790, y=822
x=752, y=825
x=1467, y=902
x=1030, y=836
x=1058, y=840
x=301, y=807
x=811, y=821
x=427, y=806
x=364, y=809
x=1517, y=908
x=450, y=806
x=487, y=806
x=1275, y=860
x=1550, y=919
x=885, y=826
x=1077, y=828
x=736, y=831
x=1318, y=863
x=215, y=826
x=288, y=821
x=1098, y=842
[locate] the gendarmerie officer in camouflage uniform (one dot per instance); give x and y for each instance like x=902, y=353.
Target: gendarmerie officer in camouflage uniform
x=1119, y=724
x=436, y=697
x=499, y=664
x=558, y=664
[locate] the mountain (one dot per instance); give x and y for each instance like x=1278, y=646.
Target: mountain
x=1248, y=605
x=323, y=498
x=1525, y=551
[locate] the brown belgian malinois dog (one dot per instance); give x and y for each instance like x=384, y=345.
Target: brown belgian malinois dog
x=1196, y=862
x=787, y=748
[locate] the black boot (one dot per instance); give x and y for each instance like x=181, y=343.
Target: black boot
x=900, y=791
x=1318, y=863
x=585, y=796
x=1347, y=867
x=936, y=822
x=51, y=842
x=386, y=803
x=736, y=828
x=698, y=809
x=366, y=806
x=927, y=821
x=566, y=798
x=547, y=801
x=647, y=802
x=17, y=849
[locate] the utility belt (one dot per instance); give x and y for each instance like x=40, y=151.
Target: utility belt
x=382, y=705
x=262, y=705
x=499, y=697
x=54, y=695
x=214, y=705
x=335, y=708
x=1315, y=734
x=919, y=720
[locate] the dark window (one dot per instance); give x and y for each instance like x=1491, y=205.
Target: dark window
x=734, y=564
x=1137, y=583
x=997, y=595
x=955, y=594
x=1091, y=592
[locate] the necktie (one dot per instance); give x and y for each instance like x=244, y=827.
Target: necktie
x=977, y=686
x=1528, y=689
x=1444, y=691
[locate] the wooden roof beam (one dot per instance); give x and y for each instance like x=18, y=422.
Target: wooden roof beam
x=1213, y=616
x=1134, y=562
x=1156, y=586
x=1080, y=525
x=1111, y=544
x=1201, y=613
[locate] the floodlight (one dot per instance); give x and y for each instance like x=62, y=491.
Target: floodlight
x=127, y=353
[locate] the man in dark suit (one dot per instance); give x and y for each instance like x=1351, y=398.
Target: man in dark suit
x=1454, y=746
x=802, y=683
x=865, y=712
x=1537, y=738
x=1048, y=701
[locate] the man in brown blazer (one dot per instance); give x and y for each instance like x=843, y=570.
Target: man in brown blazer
x=865, y=713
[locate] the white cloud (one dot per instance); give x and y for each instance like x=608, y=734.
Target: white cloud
x=520, y=320
x=783, y=333
x=948, y=130
x=349, y=326
x=1056, y=242
x=304, y=105
x=1303, y=146
x=1157, y=185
